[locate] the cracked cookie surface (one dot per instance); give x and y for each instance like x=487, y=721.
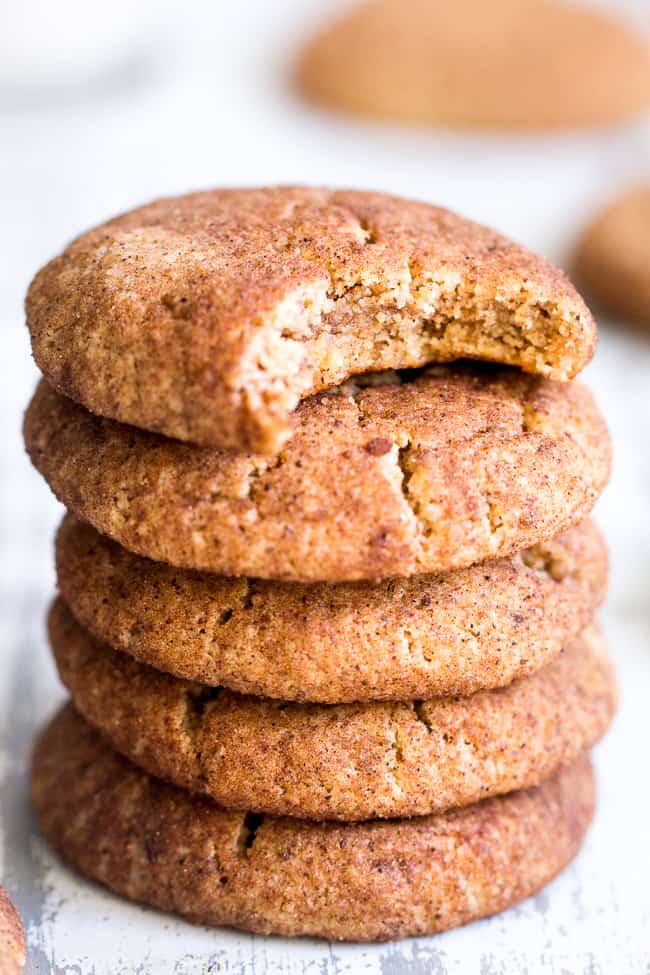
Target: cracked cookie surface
x=347, y=762
x=209, y=317
x=399, y=639
x=372, y=881
x=450, y=467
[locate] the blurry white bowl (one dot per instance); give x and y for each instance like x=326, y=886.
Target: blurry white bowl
x=62, y=43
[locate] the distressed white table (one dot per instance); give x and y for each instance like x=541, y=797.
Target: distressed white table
x=215, y=110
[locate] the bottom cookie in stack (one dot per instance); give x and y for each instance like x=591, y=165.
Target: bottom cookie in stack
x=368, y=881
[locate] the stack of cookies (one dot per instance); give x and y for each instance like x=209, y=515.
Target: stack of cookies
x=326, y=610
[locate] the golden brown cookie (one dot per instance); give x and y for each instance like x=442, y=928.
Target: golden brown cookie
x=449, y=468
x=208, y=317
x=349, y=761
x=423, y=636
x=612, y=258
x=372, y=881
x=503, y=64
x=12, y=938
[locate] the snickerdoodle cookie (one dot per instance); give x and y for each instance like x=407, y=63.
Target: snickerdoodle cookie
x=612, y=258
x=396, y=640
x=349, y=761
x=12, y=938
x=370, y=881
x=503, y=64
x=208, y=317
x=453, y=466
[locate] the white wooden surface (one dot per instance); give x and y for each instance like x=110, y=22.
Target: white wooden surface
x=211, y=107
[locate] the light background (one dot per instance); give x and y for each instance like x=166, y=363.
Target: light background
x=200, y=99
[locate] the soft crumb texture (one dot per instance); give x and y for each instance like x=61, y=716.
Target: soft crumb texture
x=348, y=762
x=373, y=881
x=453, y=467
x=396, y=640
x=503, y=64
x=612, y=258
x=12, y=938
x=208, y=317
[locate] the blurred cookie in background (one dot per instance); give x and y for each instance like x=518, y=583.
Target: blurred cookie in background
x=489, y=64
x=611, y=261
x=12, y=937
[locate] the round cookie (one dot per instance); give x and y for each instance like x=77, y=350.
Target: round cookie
x=208, y=317
x=350, y=761
x=451, y=467
x=13, y=953
x=373, y=881
x=506, y=64
x=611, y=259
x=396, y=640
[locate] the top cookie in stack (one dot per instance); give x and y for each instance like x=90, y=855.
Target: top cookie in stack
x=251, y=406
x=209, y=317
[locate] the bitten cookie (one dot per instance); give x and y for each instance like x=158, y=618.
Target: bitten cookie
x=503, y=64
x=208, y=317
x=422, y=636
x=451, y=467
x=359, y=882
x=347, y=762
x=612, y=258
x=12, y=938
